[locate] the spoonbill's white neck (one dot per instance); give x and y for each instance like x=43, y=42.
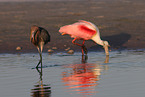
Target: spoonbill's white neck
x=97, y=39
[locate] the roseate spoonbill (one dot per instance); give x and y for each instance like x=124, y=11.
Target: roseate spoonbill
x=39, y=37
x=84, y=30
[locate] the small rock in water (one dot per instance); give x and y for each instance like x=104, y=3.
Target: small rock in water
x=67, y=49
x=70, y=52
x=50, y=51
x=18, y=48
x=54, y=48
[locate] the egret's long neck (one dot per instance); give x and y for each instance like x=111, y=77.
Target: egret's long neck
x=97, y=39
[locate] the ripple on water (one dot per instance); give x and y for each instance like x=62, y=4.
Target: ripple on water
x=67, y=75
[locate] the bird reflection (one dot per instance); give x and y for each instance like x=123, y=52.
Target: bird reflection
x=83, y=78
x=106, y=59
x=40, y=89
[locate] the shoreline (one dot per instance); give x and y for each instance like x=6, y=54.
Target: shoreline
x=75, y=51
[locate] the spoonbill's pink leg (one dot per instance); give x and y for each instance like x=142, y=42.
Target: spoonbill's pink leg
x=84, y=49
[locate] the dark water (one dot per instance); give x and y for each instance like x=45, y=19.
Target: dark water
x=66, y=75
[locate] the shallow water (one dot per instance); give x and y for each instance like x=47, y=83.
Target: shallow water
x=65, y=75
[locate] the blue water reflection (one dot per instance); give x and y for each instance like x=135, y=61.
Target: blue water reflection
x=40, y=89
x=83, y=78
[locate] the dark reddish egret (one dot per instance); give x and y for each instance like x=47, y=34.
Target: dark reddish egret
x=84, y=30
x=39, y=37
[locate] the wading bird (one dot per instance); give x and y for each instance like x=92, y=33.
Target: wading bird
x=39, y=37
x=84, y=30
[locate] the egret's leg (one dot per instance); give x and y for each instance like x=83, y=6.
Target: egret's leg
x=40, y=73
x=40, y=61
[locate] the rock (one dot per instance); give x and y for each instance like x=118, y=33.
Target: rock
x=100, y=16
x=70, y=52
x=67, y=49
x=54, y=48
x=50, y=51
x=18, y=48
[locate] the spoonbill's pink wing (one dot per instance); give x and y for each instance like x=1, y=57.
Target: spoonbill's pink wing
x=78, y=30
x=92, y=26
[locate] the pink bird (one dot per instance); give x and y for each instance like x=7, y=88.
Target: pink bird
x=84, y=30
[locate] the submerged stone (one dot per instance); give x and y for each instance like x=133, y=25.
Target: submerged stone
x=18, y=48
x=70, y=52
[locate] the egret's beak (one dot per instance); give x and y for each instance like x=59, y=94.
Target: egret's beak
x=106, y=50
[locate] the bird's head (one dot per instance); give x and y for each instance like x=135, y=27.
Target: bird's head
x=106, y=45
x=34, y=28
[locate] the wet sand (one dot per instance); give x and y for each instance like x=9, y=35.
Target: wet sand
x=121, y=22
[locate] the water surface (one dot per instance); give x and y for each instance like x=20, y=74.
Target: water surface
x=65, y=75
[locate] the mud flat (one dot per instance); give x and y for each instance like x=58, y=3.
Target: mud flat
x=121, y=22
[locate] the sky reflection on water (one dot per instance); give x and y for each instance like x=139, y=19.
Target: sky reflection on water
x=73, y=76
x=83, y=78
